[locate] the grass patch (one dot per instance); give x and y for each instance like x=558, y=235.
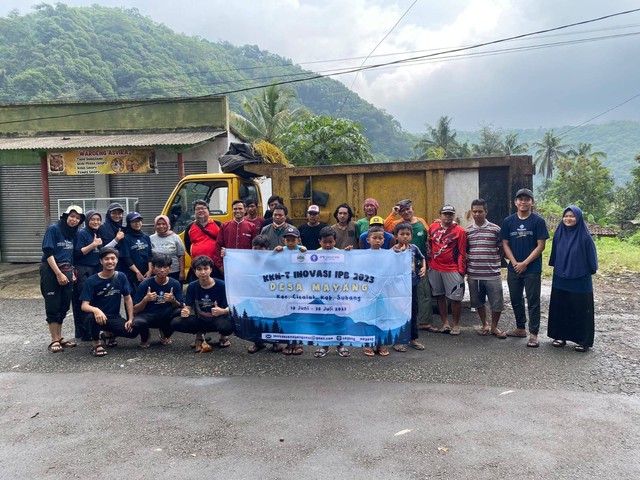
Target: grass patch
x=614, y=257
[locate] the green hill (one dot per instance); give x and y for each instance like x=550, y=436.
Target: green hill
x=620, y=140
x=87, y=53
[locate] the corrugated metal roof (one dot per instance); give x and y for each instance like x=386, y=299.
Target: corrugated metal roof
x=108, y=140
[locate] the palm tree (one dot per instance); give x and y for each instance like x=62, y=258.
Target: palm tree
x=439, y=137
x=549, y=150
x=490, y=143
x=510, y=146
x=267, y=115
x=584, y=150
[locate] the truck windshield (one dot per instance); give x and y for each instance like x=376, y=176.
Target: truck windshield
x=215, y=193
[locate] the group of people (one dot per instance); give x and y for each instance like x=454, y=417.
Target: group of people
x=96, y=268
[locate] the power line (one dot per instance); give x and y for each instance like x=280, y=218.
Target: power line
x=346, y=97
x=598, y=116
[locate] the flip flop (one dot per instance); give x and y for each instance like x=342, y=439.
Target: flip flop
x=320, y=352
x=484, y=332
x=277, y=348
x=343, y=352
x=513, y=333
x=399, y=348
x=382, y=351
x=499, y=334
x=445, y=330
x=224, y=342
x=67, y=343
x=256, y=347
x=55, y=347
x=417, y=346
x=559, y=343
x=369, y=352
x=533, y=344
x=455, y=331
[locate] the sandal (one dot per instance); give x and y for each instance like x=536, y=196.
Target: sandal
x=55, y=347
x=533, y=343
x=581, y=348
x=99, y=351
x=455, y=331
x=343, y=351
x=67, y=343
x=399, y=348
x=288, y=350
x=499, y=334
x=297, y=350
x=145, y=345
x=256, y=347
x=166, y=341
x=416, y=345
x=320, y=352
x=369, y=352
x=559, y=343
x=445, y=330
x=109, y=341
x=197, y=345
x=277, y=348
x=205, y=347
x=484, y=331
x=224, y=342
x=382, y=351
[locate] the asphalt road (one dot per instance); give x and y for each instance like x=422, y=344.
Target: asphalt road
x=467, y=407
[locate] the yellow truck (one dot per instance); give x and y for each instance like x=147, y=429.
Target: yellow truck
x=429, y=184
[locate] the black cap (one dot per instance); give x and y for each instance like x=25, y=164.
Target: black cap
x=524, y=192
x=447, y=209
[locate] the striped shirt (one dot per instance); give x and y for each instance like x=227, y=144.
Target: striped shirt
x=483, y=251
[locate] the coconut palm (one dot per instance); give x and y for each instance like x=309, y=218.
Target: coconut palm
x=440, y=136
x=267, y=115
x=510, y=146
x=549, y=150
x=584, y=150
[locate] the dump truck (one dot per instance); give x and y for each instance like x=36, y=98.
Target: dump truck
x=428, y=183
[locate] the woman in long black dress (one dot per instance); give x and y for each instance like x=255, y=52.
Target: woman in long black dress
x=575, y=260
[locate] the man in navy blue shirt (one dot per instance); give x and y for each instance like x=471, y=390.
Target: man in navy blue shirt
x=524, y=235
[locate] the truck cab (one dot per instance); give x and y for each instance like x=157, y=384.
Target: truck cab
x=219, y=190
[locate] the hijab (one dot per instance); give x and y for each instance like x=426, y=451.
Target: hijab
x=68, y=232
x=166, y=219
x=573, y=252
x=90, y=214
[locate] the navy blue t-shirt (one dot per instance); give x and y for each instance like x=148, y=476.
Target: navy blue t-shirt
x=84, y=237
x=137, y=248
x=160, y=305
x=202, y=299
x=62, y=248
x=106, y=293
x=523, y=236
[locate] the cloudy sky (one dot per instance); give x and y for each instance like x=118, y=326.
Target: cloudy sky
x=532, y=82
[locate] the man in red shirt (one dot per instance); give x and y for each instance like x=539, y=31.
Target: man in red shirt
x=447, y=267
x=236, y=233
x=201, y=236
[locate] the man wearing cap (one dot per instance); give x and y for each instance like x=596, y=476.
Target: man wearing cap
x=370, y=209
x=524, y=235
x=200, y=236
x=236, y=233
x=135, y=251
x=275, y=231
x=310, y=231
x=420, y=238
x=448, y=266
x=389, y=239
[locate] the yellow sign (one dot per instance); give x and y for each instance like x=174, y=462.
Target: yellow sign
x=103, y=161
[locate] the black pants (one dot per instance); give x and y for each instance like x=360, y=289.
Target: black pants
x=159, y=320
x=115, y=325
x=79, y=317
x=57, y=298
x=195, y=324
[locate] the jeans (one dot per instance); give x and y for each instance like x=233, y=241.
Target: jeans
x=530, y=283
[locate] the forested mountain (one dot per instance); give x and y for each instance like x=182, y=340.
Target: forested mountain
x=88, y=53
x=620, y=140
